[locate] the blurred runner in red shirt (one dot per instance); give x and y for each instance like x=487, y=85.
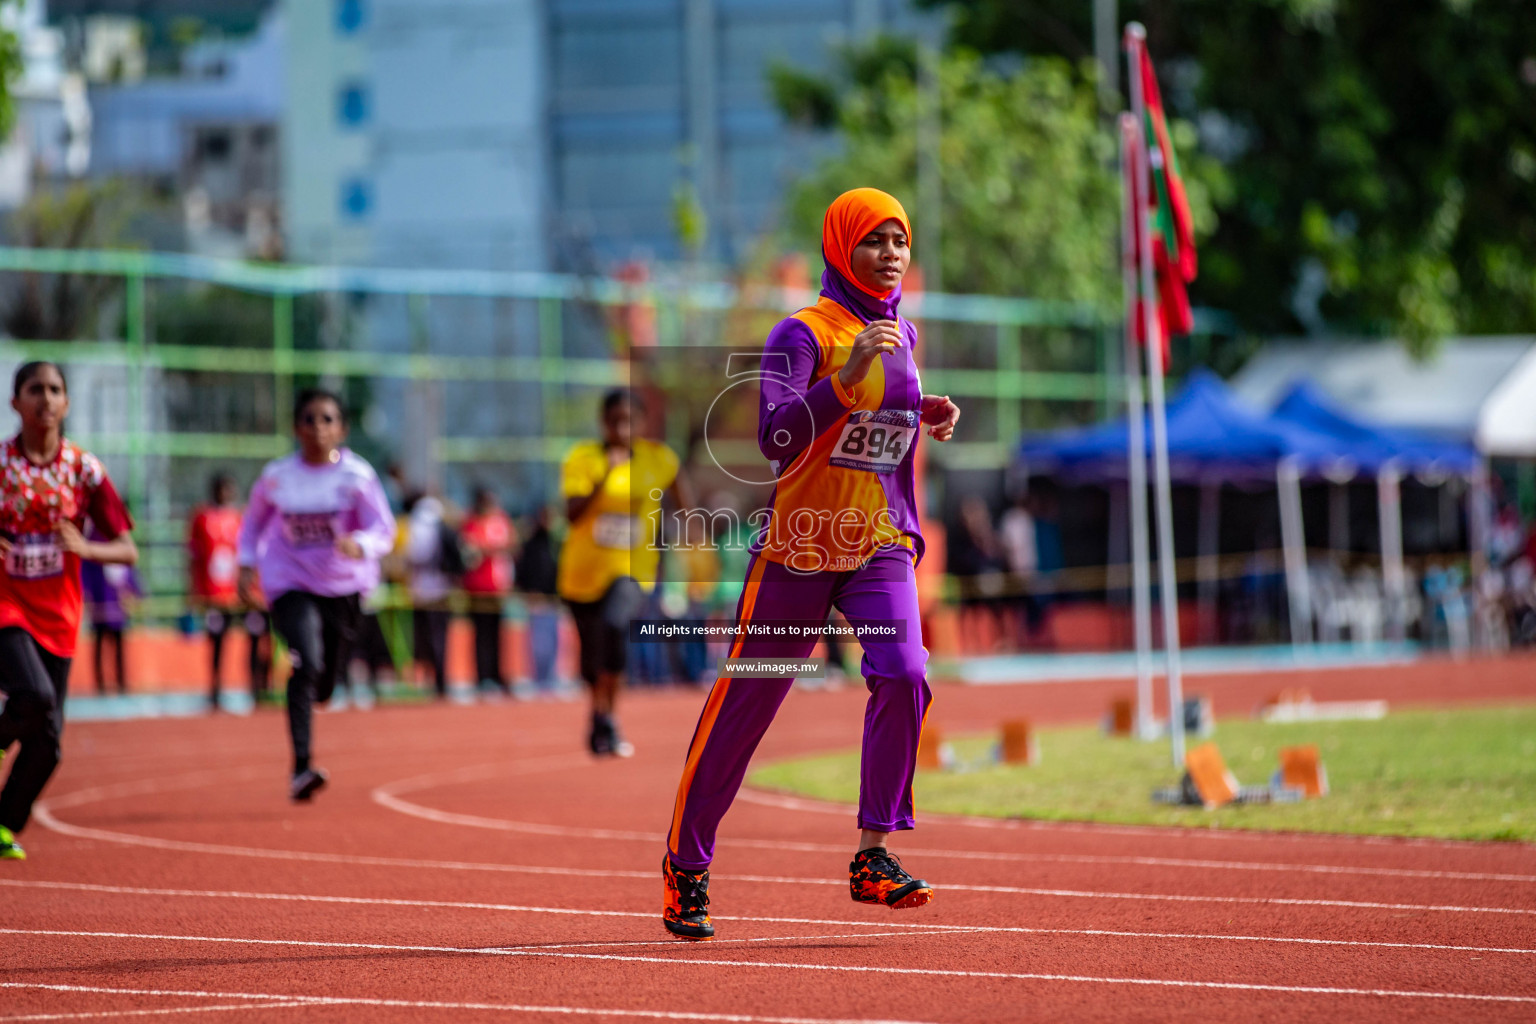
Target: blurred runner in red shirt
x=213, y=563
x=489, y=537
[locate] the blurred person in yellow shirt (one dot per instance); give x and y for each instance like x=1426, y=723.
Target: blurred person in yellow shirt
x=613, y=488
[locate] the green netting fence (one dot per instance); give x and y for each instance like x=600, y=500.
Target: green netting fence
x=182, y=366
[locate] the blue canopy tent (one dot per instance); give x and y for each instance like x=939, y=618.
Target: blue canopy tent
x=1215, y=438
x=1371, y=445
x=1212, y=436
x=1385, y=453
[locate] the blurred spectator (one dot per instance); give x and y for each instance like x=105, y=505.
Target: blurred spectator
x=396, y=489
x=651, y=664
x=434, y=560
x=372, y=647
x=387, y=615
x=1050, y=556
x=537, y=566
x=1506, y=536
x=698, y=567
x=109, y=592
x=488, y=541
x=975, y=559
x=212, y=536
x=1021, y=556
x=1520, y=602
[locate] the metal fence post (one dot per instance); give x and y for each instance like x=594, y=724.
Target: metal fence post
x=282, y=362
x=138, y=471
x=1010, y=388
x=551, y=407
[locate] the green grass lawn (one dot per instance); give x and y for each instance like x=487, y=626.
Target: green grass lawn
x=1462, y=774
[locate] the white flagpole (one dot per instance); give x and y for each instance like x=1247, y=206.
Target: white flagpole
x=1136, y=452
x=1293, y=539
x=1394, y=578
x=1135, y=41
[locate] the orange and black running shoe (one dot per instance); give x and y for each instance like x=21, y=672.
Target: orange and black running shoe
x=876, y=876
x=685, y=914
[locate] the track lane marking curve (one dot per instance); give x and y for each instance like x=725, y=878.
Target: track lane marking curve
x=1491, y=997
x=43, y=813
x=426, y=1004
x=908, y=929
x=388, y=795
x=102, y=1014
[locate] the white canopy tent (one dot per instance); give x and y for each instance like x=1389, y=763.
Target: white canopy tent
x=1480, y=390
x=1506, y=422
x=1473, y=389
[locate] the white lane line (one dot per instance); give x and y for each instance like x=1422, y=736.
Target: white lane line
x=43, y=814
x=1172, y=898
x=1287, y=901
x=192, y=780
x=919, y=929
x=389, y=796
x=791, y=966
x=449, y=904
x=96, y=1015
x=674, y=942
x=144, y=787
x=771, y=798
x=424, y=1004
x=385, y=796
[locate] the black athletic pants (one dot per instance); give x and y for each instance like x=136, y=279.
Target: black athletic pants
x=34, y=682
x=430, y=627
x=602, y=627
x=319, y=632
x=219, y=622
x=488, y=647
x=114, y=635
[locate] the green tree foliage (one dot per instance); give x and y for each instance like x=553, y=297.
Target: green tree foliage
x=1382, y=156
x=11, y=66
x=86, y=215
x=1030, y=203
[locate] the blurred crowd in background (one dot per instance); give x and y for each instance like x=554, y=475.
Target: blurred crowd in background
x=1009, y=584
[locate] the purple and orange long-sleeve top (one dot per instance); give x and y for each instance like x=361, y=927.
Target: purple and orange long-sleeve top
x=844, y=457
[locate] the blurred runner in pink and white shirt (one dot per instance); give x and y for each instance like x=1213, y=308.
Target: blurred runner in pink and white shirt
x=315, y=528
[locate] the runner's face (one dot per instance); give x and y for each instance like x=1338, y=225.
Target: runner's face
x=319, y=429
x=619, y=426
x=880, y=260
x=43, y=403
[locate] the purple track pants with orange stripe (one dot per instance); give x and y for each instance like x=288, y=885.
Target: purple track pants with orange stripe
x=738, y=711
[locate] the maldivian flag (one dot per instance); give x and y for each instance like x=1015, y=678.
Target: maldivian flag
x=1136, y=190
x=1173, y=233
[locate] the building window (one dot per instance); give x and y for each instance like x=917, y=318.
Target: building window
x=214, y=146
x=356, y=199
x=352, y=107
x=350, y=16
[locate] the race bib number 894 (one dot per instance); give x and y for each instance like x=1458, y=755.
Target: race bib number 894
x=875, y=442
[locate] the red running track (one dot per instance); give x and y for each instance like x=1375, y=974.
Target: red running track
x=473, y=864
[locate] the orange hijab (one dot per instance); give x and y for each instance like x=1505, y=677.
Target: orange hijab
x=851, y=216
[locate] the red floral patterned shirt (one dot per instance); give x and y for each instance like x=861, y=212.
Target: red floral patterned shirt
x=40, y=581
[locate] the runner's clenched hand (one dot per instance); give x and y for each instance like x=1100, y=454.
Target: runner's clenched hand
x=880, y=337
x=941, y=415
